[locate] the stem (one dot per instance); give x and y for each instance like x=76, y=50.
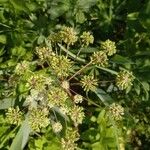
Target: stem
x=79, y=52
x=71, y=54
x=88, y=100
x=80, y=70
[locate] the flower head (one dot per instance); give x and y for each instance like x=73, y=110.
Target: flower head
x=61, y=65
x=78, y=98
x=57, y=97
x=77, y=115
x=44, y=52
x=65, y=85
x=109, y=47
x=99, y=58
x=89, y=83
x=38, y=119
x=117, y=111
x=68, y=143
x=36, y=81
x=86, y=39
x=22, y=67
x=68, y=34
x=124, y=79
x=14, y=116
x=57, y=127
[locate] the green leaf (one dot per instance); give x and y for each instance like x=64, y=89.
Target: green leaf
x=6, y=103
x=108, y=70
x=120, y=60
x=80, y=17
x=18, y=51
x=3, y=39
x=19, y=5
x=103, y=96
x=21, y=138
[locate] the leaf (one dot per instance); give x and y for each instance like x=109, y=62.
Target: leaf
x=3, y=39
x=21, y=138
x=120, y=60
x=19, y=5
x=18, y=51
x=40, y=39
x=133, y=16
x=71, y=54
x=103, y=96
x=80, y=17
x=6, y=103
x=108, y=70
x=85, y=5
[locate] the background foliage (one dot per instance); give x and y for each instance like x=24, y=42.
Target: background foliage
x=27, y=24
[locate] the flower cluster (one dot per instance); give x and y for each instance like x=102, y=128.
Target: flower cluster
x=68, y=35
x=38, y=82
x=61, y=65
x=77, y=115
x=68, y=143
x=117, y=111
x=44, y=52
x=14, y=116
x=38, y=118
x=109, y=47
x=124, y=79
x=99, y=58
x=22, y=67
x=86, y=39
x=57, y=97
x=78, y=98
x=89, y=83
x=55, y=38
x=65, y=85
x=57, y=127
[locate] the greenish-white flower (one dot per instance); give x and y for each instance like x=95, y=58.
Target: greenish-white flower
x=78, y=98
x=116, y=111
x=68, y=35
x=86, y=39
x=61, y=65
x=89, y=83
x=22, y=67
x=109, y=47
x=99, y=58
x=57, y=96
x=38, y=118
x=77, y=115
x=124, y=79
x=57, y=127
x=14, y=116
x=65, y=85
x=44, y=52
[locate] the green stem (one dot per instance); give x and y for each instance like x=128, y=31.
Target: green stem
x=80, y=70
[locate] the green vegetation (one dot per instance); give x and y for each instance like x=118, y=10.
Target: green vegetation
x=74, y=74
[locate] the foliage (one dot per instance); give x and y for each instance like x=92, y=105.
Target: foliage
x=74, y=74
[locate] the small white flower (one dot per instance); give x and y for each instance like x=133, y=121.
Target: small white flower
x=78, y=98
x=57, y=127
